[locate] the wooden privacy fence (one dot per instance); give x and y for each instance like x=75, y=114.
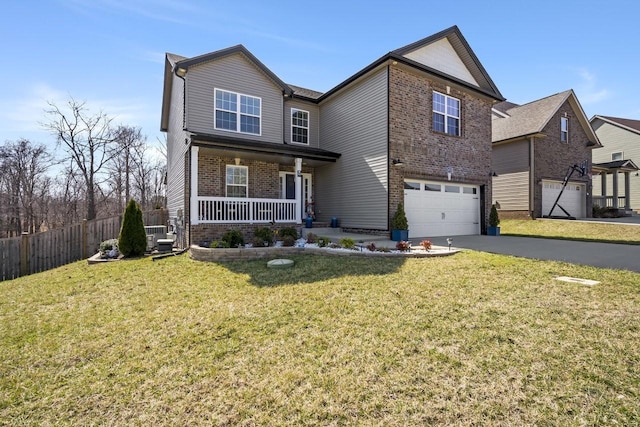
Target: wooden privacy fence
x=33, y=253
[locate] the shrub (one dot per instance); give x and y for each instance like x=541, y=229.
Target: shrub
x=400, y=219
x=494, y=218
x=133, y=239
x=383, y=249
x=372, y=247
x=311, y=238
x=219, y=244
x=403, y=246
x=265, y=234
x=426, y=244
x=233, y=238
x=323, y=241
x=288, y=240
x=258, y=242
x=107, y=246
x=347, y=243
x=288, y=231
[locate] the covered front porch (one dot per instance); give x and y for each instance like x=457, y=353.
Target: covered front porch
x=614, y=169
x=248, y=182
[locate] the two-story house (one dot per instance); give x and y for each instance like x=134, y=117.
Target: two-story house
x=246, y=149
x=535, y=147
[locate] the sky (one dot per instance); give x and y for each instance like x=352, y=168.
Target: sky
x=110, y=53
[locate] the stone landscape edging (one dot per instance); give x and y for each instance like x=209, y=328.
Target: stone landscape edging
x=199, y=253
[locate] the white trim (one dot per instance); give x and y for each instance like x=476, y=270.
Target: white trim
x=238, y=111
x=563, y=132
x=446, y=114
x=194, y=185
x=294, y=110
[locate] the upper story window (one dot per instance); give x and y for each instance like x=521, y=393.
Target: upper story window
x=617, y=156
x=446, y=114
x=237, y=182
x=299, y=126
x=564, y=129
x=237, y=112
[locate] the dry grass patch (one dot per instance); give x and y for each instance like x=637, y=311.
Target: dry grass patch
x=572, y=230
x=473, y=339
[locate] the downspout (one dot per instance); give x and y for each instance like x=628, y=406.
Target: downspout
x=388, y=148
x=180, y=72
x=532, y=176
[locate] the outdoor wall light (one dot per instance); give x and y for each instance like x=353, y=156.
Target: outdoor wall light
x=397, y=162
x=493, y=173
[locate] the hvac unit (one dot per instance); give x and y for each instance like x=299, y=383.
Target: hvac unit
x=154, y=232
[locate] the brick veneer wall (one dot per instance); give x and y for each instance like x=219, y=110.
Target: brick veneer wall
x=427, y=154
x=553, y=157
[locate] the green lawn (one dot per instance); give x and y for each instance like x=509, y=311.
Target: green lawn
x=572, y=230
x=470, y=339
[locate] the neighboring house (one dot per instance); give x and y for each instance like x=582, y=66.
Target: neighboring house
x=246, y=149
x=617, y=159
x=535, y=146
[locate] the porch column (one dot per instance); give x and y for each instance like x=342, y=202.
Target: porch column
x=627, y=191
x=603, y=187
x=299, y=201
x=615, y=189
x=194, y=186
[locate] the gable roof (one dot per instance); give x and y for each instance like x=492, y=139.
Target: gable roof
x=530, y=119
x=628, y=124
x=482, y=83
x=616, y=165
x=302, y=92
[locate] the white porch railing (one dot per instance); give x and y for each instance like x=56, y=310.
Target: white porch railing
x=244, y=210
x=607, y=201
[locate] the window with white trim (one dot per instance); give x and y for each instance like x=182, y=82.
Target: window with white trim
x=237, y=182
x=446, y=114
x=617, y=156
x=236, y=112
x=564, y=129
x=299, y=126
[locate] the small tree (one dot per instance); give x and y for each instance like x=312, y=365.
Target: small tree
x=133, y=239
x=400, y=219
x=494, y=218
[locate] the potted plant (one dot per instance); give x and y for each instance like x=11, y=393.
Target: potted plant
x=399, y=225
x=494, y=222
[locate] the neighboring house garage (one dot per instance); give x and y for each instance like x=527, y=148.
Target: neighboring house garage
x=573, y=199
x=437, y=208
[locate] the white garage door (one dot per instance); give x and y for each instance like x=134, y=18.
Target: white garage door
x=573, y=199
x=441, y=208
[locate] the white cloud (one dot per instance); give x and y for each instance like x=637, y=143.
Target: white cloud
x=588, y=89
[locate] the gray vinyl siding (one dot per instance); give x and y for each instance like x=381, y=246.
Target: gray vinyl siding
x=510, y=162
x=615, y=139
x=511, y=191
x=237, y=74
x=354, y=123
x=314, y=121
x=510, y=157
x=176, y=150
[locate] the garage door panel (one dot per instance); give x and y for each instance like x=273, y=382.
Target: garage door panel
x=442, y=213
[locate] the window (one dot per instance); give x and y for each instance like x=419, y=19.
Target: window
x=237, y=113
x=237, y=182
x=564, y=129
x=408, y=185
x=446, y=114
x=299, y=126
x=451, y=189
x=431, y=187
x=468, y=190
x=617, y=156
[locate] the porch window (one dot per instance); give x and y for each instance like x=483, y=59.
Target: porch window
x=237, y=181
x=237, y=112
x=299, y=126
x=446, y=114
x=564, y=129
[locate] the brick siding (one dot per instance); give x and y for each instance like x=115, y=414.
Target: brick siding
x=427, y=154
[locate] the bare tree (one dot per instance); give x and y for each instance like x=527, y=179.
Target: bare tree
x=26, y=185
x=87, y=140
x=129, y=141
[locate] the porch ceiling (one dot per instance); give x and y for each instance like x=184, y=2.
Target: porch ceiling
x=265, y=151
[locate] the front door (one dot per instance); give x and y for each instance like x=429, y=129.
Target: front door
x=288, y=190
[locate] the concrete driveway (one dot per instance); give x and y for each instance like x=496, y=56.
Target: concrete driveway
x=603, y=255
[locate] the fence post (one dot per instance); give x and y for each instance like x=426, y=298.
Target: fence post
x=24, y=254
x=84, y=239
